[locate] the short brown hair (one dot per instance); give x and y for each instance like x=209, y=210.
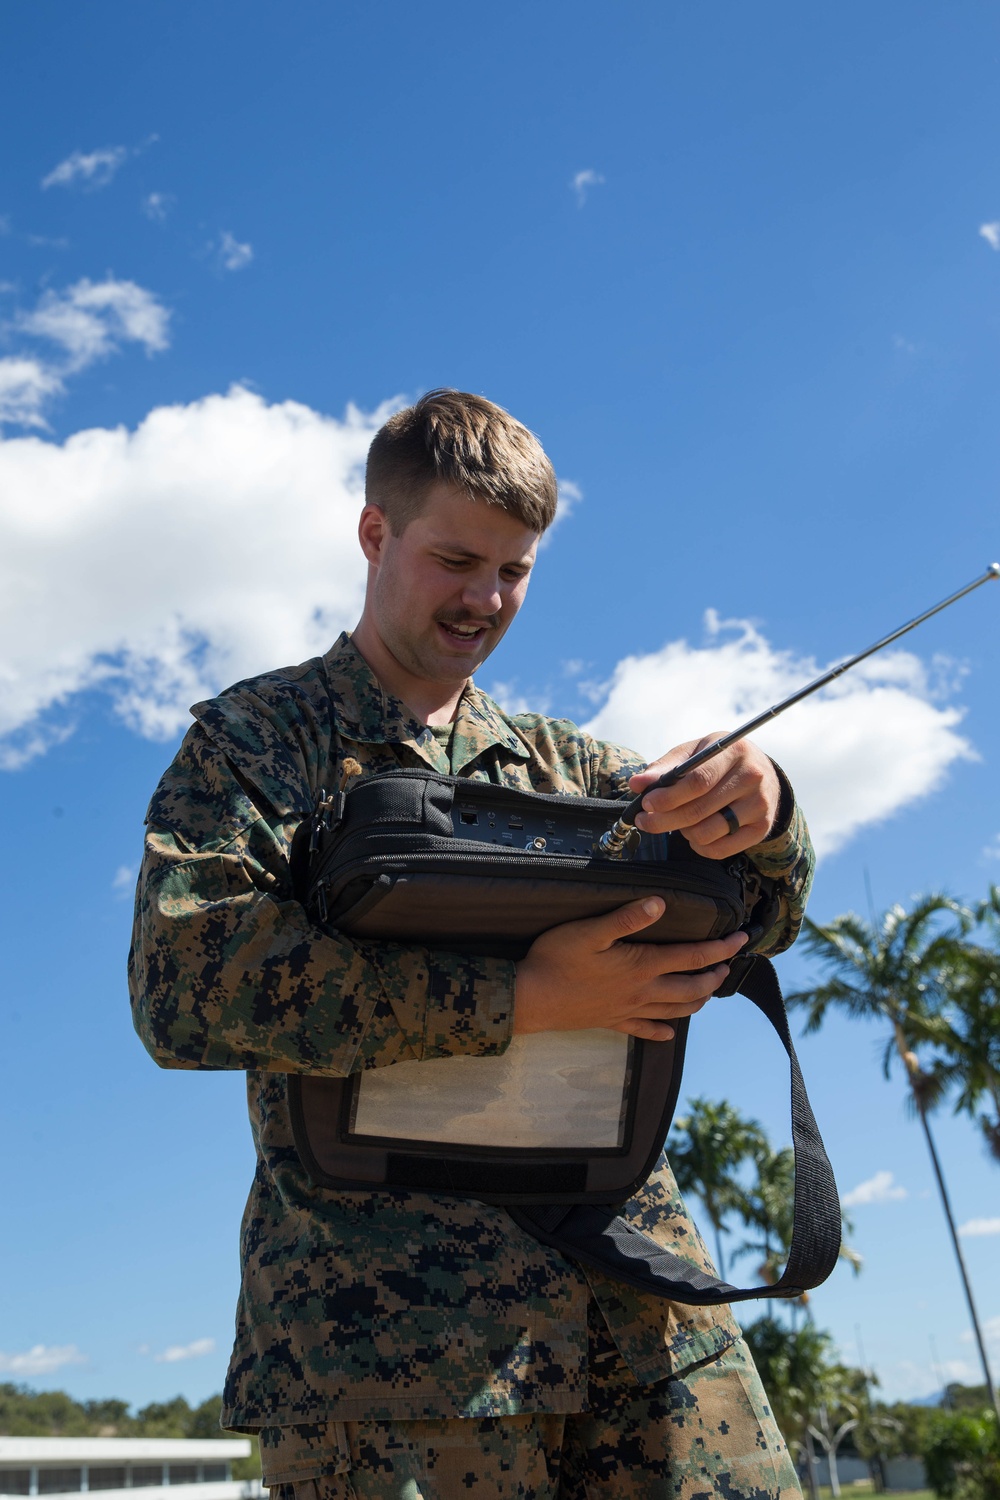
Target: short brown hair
x=455, y=438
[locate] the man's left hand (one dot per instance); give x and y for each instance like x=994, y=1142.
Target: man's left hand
x=740, y=778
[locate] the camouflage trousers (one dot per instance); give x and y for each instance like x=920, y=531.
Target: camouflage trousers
x=708, y=1431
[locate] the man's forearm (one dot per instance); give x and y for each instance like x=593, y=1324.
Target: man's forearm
x=223, y=976
x=227, y=971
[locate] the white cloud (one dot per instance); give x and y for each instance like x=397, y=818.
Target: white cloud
x=960, y=1370
x=124, y=880
x=48, y=241
x=41, y=1359
x=156, y=206
x=907, y=1381
x=194, y=1350
x=513, y=702
x=26, y=387
x=991, y=234
x=569, y=497
x=160, y=564
x=85, y=322
x=877, y=1189
x=90, y=320
x=583, y=181
x=980, y=1226
x=991, y=1332
x=34, y=740
x=91, y=169
x=232, y=254
x=992, y=850
x=4, y=223
x=867, y=746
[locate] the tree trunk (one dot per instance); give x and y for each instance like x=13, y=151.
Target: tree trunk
x=829, y=1445
x=811, y=1467
x=838, y=1438
x=946, y=1205
x=912, y=1066
x=718, y=1251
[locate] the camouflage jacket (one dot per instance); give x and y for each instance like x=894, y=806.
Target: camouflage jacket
x=391, y=1304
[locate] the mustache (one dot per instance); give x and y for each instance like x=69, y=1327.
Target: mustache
x=463, y=617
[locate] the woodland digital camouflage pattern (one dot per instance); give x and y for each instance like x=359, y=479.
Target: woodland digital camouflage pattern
x=375, y=1306
x=706, y=1432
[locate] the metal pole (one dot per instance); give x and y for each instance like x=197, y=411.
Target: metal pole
x=990, y=1387
x=875, y=1463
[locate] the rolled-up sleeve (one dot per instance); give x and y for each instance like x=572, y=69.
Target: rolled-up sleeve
x=788, y=859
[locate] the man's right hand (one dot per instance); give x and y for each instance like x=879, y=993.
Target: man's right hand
x=581, y=975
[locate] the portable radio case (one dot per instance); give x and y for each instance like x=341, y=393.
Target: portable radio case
x=448, y=862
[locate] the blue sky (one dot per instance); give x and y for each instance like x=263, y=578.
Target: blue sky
x=738, y=267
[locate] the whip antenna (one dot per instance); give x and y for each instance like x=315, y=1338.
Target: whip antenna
x=623, y=835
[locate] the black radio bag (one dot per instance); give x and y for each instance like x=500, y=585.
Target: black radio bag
x=448, y=862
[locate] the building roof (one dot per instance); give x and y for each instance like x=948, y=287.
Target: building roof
x=92, y=1450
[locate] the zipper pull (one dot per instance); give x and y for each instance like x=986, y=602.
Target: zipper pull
x=326, y=814
x=315, y=819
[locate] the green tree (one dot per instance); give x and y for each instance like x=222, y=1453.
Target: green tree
x=205, y=1419
x=249, y=1467
x=164, y=1419
x=896, y=1430
x=791, y=1363
x=901, y=971
x=27, y=1413
x=962, y=1454
x=843, y=1397
x=108, y=1418
x=966, y=1034
x=767, y=1207
x=706, y=1149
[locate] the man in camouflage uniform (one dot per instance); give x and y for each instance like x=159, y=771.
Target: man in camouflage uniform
x=396, y=1343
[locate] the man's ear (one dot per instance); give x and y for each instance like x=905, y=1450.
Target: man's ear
x=373, y=528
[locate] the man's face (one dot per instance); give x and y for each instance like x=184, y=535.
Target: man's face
x=442, y=595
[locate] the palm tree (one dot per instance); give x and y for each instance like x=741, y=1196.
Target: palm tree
x=966, y=1040
x=970, y=1040
x=791, y=1363
x=902, y=971
x=706, y=1149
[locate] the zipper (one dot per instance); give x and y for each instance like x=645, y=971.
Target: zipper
x=430, y=861
x=407, y=849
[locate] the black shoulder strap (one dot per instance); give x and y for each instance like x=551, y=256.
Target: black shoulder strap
x=597, y=1236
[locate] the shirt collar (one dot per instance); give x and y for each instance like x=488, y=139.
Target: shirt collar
x=368, y=714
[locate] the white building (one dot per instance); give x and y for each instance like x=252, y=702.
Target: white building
x=163, y=1468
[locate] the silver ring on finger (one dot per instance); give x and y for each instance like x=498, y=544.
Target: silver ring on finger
x=731, y=818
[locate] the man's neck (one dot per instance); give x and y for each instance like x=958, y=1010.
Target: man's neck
x=430, y=702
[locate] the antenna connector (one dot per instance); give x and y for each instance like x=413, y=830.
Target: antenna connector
x=618, y=842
